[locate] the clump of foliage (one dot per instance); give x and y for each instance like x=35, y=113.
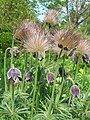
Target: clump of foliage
x=48, y=76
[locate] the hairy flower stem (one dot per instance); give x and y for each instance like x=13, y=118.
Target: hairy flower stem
x=12, y=94
x=5, y=80
x=83, y=114
x=26, y=61
x=30, y=60
x=60, y=53
x=25, y=69
x=49, y=56
x=35, y=86
x=11, y=83
x=53, y=91
x=77, y=67
x=61, y=86
x=37, y=98
x=12, y=53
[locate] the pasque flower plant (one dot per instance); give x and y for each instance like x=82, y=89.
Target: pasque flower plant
x=38, y=43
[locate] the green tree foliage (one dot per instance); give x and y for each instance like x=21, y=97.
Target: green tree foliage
x=72, y=12
x=12, y=12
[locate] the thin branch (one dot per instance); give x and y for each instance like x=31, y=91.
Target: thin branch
x=76, y=13
x=83, y=20
x=85, y=9
x=68, y=14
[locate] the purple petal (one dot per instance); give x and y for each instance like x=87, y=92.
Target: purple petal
x=28, y=76
x=75, y=91
x=86, y=58
x=15, y=50
x=34, y=54
x=40, y=57
x=14, y=73
x=72, y=52
x=50, y=77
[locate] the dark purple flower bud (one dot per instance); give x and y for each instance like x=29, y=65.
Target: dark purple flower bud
x=75, y=91
x=15, y=50
x=86, y=58
x=72, y=52
x=13, y=74
x=60, y=45
x=28, y=76
x=49, y=25
x=50, y=78
x=52, y=33
x=66, y=48
x=40, y=55
x=34, y=54
x=76, y=59
x=61, y=70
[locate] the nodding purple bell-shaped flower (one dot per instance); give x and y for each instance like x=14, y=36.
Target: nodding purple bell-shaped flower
x=15, y=51
x=76, y=59
x=62, y=72
x=86, y=58
x=75, y=91
x=41, y=56
x=28, y=76
x=34, y=54
x=13, y=74
x=50, y=78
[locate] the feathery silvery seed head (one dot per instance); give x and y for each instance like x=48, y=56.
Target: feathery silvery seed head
x=26, y=30
x=83, y=47
x=37, y=43
x=55, y=48
x=66, y=39
x=51, y=17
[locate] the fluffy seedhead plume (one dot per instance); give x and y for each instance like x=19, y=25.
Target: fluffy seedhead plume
x=26, y=30
x=55, y=48
x=37, y=43
x=66, y=39
x=83, y=49
x=51, y=17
